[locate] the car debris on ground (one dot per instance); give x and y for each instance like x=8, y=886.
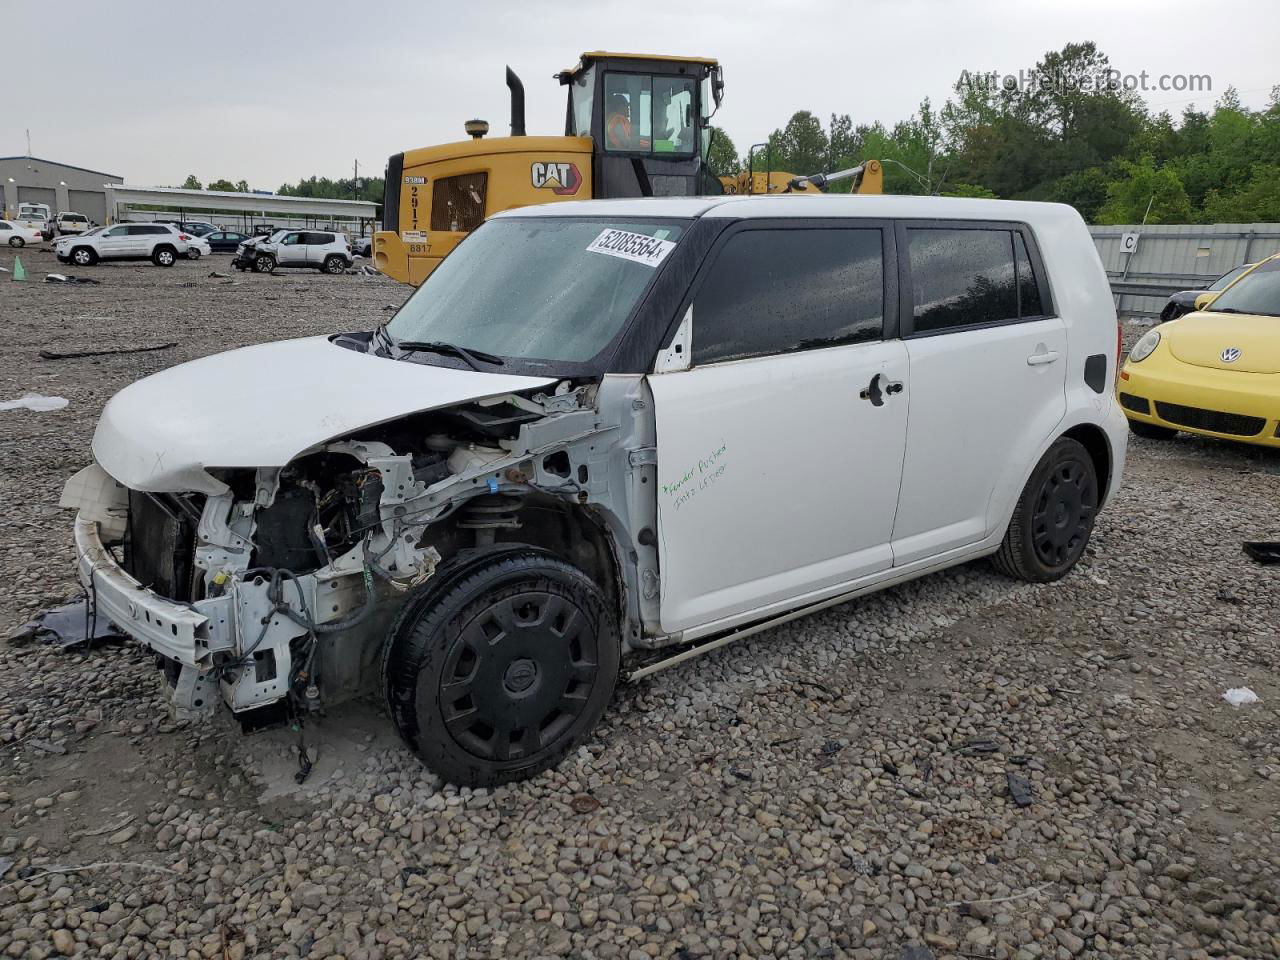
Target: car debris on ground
x=76, y=354
x=34, y=401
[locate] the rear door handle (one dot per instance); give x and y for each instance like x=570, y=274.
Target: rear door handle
x=1038, y=359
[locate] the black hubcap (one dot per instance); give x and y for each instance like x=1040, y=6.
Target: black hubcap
x=519, y=676
x=1063, y=512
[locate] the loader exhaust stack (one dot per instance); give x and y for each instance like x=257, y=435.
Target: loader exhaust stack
x=517, y=103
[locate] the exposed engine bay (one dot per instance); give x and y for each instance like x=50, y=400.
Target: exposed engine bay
x=288, y=581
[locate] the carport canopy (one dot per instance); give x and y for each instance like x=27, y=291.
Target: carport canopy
x=256, y=203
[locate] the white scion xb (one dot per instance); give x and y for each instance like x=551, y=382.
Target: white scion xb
x=601, y=437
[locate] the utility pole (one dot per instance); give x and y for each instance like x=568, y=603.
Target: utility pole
x=355, y=181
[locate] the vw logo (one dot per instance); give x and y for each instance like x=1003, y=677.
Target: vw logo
x=1231, y=355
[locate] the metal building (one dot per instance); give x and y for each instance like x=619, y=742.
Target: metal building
x=60, y=185
x=1147, y=263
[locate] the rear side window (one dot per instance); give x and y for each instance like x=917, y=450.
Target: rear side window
x=457, y=203
x=967, y=277
x=961, y=277
x=778, y=291
x=319, y=239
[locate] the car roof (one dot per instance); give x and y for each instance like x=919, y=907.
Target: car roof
x=803, y=205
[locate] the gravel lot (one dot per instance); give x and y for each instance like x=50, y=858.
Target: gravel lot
x=833, y=788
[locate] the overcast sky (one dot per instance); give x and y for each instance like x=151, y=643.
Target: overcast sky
x=279, y=91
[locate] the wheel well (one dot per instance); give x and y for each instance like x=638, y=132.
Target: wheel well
x=577, y=536
x=1094, y=440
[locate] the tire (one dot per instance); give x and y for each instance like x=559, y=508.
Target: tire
x=193, y=253
x=1151, y=431
x=1054, y=517
x=17, y=242
x=264, y=263
x=502, y=668
x=84, y=256
x=164, y=256
x=334, y=265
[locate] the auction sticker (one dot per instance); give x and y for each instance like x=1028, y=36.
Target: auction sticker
x=637, y=247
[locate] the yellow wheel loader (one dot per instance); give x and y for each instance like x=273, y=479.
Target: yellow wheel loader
x=636, y=125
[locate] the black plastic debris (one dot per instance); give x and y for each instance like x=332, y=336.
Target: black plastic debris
x=1020, y=789
x=63, y=278
x=70, y=625
x=1262, y=551
x=71, y=355
x=977, y=747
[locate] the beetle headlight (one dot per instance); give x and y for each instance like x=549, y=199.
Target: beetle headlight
x=1145, y=346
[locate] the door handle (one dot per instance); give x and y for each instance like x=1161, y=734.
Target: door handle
x=1039, y=359
x=878, y=387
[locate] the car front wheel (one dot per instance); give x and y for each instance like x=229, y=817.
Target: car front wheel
x=264, y=264
x=502, y=667
x=83, y=257
x=17, y=242
x=193, y=253
x=1054, y=516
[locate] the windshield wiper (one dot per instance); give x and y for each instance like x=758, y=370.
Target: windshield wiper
x=451, y=349
x=380, y=335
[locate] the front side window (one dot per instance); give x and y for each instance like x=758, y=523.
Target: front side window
x=779, y=291
x=4, y=225
x=294, y=239
x=581, y=99
x=648, y=114
x=1258, y=293
x=539, y=289
x=960, y=278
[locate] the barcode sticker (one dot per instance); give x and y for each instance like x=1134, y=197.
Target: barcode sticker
x=637, y=247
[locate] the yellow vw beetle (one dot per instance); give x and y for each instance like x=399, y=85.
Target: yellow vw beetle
x=1214, y=372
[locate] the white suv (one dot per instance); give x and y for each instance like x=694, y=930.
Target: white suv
x=157, y=242
x=603, y=437
x=319, y=249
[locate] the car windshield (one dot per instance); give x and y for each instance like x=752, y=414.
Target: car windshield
x=538, y=288
x=277, y=236
x=1222, y=282
x=1258, y=293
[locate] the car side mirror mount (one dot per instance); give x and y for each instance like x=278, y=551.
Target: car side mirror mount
x=1204, y=299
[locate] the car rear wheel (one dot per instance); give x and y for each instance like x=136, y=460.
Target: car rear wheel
x=1054, y=517
x=17, y=242
x=334, y=265
x=501, y=667
x=1151, y=431
x=164, y=257
x=84, y=257
x=264, y=263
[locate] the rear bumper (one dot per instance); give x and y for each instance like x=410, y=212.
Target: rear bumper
x=1214, y=403
x=184, y=633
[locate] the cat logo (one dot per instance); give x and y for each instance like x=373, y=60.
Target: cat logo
x=562, y=179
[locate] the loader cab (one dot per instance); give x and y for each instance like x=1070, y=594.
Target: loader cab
x=647, y=116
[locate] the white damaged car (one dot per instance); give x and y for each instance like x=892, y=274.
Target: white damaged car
x=602, y=437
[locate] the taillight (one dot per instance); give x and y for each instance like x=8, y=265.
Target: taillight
x=1119, y=344
x=183, y=236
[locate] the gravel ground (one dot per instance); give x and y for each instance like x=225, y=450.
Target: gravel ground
x=838, y=787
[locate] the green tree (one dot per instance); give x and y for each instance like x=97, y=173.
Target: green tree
x=1258, y=201
x=722, y=156
x=801, y=146
x=191, y=183
x=968, y=190
x=1146, y=193
x=223, y=186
